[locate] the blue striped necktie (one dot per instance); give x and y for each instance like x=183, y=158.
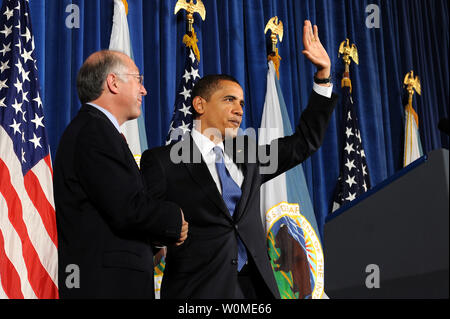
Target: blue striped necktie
x=231, y=193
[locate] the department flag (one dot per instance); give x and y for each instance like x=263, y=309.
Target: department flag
x=28, y=237
x=413, y=146
x=133, y=130
x=354, y=177
x=294, y=248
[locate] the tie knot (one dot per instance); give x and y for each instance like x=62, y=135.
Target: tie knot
x=219, y=154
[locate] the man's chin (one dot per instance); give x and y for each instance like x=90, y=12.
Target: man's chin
x=135, y=115
x=231, y=132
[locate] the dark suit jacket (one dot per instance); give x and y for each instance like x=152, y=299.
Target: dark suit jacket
x=205, y=265
x=105, y=218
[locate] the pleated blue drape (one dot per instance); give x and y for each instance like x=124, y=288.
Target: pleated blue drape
x=413, y=35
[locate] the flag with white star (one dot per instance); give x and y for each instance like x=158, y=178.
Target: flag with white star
x=354, y=177
x=181, y=123
x=28, y=237
x=182, y=118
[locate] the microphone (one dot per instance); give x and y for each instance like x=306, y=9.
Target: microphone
x=443, y=125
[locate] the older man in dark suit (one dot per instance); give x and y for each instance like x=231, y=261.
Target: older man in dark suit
x=105, y=218
x=215, y=177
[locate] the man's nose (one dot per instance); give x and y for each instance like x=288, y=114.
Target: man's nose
x=238, y=109
x=143, y=90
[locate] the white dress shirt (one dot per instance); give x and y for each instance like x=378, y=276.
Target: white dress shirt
x=205, y=145
x=323, y=90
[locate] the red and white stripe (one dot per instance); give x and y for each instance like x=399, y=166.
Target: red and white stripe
x=28, y=236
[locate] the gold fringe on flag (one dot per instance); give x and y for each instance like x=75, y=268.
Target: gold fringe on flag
x=191, y=42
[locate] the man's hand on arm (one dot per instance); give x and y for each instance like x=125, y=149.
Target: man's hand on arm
x=184, y=230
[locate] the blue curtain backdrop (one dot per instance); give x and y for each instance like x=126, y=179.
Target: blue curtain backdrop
x=413, y=35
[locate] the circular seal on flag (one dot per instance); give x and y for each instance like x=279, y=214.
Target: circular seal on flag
x=295, y=252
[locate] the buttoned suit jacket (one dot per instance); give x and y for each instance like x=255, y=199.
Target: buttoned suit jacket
x=106, y=220
x=205, y=266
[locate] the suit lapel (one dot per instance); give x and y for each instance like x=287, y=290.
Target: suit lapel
x=199, y=172
x=120, y=139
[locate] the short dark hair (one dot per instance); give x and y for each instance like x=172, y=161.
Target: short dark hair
x=207, y=85
x=93, y=73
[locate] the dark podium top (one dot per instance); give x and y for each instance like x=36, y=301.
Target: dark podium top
x=393, y=242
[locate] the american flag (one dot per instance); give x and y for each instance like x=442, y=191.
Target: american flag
x=182, y=118
x=28, y=237
x=354, y=175
x=181, y=123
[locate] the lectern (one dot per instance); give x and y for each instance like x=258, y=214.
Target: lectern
x=393, y=242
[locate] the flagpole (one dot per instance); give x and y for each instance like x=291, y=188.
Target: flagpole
x=182, y=117
x=277, y=30
x=349, y=53
x=190, y=39
x=354, y=179
x=412, y=148
x=288, y=192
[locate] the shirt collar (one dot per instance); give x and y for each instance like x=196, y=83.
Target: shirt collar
x=108, y=115
x=204, y=144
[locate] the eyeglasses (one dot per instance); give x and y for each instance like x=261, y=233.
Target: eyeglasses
x=139, y=76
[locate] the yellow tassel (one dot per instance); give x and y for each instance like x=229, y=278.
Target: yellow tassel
x=191, y=42
x=346, y=82
x=276, y=61
x=413, y=112
x=125, y=3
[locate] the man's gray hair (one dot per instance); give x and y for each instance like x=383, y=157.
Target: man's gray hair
x=93, y=73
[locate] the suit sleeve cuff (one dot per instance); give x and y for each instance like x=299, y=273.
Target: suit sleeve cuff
x=323, y=90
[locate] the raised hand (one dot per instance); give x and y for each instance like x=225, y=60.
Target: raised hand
x=314, y=50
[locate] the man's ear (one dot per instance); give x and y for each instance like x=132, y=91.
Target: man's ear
x=111, y=83
x=199, y=104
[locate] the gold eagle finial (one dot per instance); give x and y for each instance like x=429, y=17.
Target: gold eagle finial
x=412, y=83
x=191, y=8
x=276, y=26
x=348, y=52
